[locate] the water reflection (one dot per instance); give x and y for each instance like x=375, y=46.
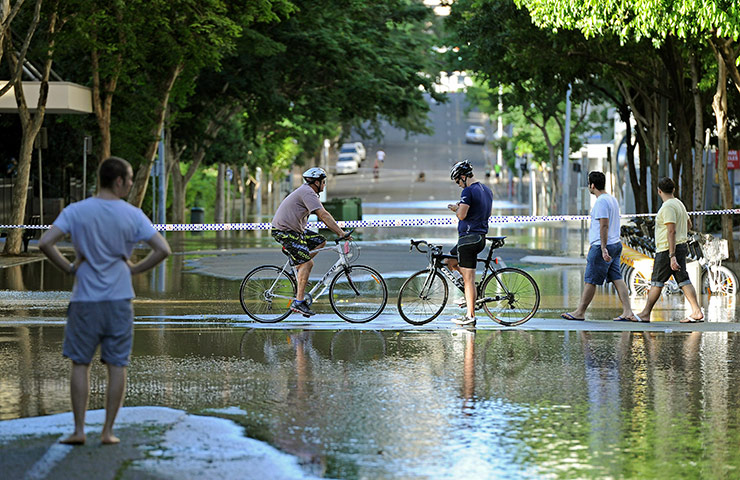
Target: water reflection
x=426, y=404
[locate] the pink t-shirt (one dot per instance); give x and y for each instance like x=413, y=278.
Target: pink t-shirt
x=293, y=213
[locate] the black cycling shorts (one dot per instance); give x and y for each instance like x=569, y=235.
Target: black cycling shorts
x=468, y=248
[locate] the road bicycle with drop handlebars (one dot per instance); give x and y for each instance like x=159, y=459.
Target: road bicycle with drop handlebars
x=509, y=296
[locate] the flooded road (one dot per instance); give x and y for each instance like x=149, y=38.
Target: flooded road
x=389, y=401
x=421, y=404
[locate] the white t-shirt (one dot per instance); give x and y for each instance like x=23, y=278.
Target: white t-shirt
x=606, y=206
x=380, y=154
x=104, y=232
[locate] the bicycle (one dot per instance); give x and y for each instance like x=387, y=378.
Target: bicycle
x=509, y=296
x=715, y=279
x=357, y=293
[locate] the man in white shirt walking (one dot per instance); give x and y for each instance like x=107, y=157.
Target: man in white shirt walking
x=602, y=263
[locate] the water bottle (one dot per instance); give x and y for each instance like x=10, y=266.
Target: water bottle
x=458, y=279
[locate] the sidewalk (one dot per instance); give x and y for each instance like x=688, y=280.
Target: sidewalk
x=156, y=443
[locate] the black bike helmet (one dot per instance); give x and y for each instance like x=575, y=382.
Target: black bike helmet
x=459, y=169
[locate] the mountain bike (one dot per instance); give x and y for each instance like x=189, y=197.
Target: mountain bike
x=357, y=293
x=509, y=296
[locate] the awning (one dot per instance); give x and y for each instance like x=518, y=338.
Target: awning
x=64, y=98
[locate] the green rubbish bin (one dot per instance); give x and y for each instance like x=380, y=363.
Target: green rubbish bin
x=344, y=208
x=197, y=215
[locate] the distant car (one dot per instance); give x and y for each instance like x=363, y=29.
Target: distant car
x=475, y=134
x=347, y=163
x=354, y=147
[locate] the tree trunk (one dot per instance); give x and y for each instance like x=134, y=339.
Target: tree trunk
x=635, y=181
x=4, y=14
x=141, y=178
x=698, y=184
x=719, y=105
x=102, y=97
x=30, y=124
x=677, y=95
x=7, y=14
x=180, y=181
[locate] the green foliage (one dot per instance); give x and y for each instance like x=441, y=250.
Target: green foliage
x=713, y=223
x=202, y=191
x=638, y=19
x=498, y=41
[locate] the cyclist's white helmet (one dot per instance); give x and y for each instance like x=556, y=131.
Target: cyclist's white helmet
x=313, y=174
x=461, y=168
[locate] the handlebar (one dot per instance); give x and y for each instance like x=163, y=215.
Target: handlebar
x=345, y=237
x=417, y=244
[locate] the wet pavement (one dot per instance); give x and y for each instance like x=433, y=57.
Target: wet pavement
x=379, y=400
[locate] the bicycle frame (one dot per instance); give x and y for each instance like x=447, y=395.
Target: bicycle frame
x=436, y=257
x=342, y=249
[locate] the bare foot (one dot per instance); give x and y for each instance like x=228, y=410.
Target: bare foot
x=109, y=439
x=74, y=439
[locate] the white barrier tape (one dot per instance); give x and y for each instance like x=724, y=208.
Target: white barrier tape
x=408, y=222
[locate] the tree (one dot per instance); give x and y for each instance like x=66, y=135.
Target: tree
x=300, y=76
x=30, y=123
x=498, y=41
x=716, y=22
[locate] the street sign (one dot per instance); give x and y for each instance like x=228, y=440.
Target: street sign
x=229, y=174
x=733, y=159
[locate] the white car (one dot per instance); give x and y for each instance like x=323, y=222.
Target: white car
x=347, y=163
x=475, y=134
x=354, y=147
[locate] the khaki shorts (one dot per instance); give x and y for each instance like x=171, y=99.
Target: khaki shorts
x=109, y=324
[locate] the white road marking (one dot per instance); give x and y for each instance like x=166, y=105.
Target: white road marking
x=46, y=464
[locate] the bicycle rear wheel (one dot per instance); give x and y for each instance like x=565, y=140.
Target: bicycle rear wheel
x=266, y=293
x=518, y=294
x=358, y=294
x=726, y=282
x=419, y=303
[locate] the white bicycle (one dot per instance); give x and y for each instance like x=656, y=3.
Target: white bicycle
x=357, y=293
x=715, y=279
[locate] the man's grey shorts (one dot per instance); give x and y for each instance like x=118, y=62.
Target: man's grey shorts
x=109, y=324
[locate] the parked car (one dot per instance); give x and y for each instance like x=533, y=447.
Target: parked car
x=347, y=163
x=475, y=134
x=354, y=147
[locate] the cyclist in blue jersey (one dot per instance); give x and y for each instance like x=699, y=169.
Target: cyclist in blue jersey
x=473, y=211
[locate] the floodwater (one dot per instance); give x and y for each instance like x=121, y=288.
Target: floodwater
x=398, y=402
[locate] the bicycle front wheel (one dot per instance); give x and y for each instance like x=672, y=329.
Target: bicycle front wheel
x=726, y=282
x=266, y=293
x=422, y=298
x=358, y=294
x=510, y=296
